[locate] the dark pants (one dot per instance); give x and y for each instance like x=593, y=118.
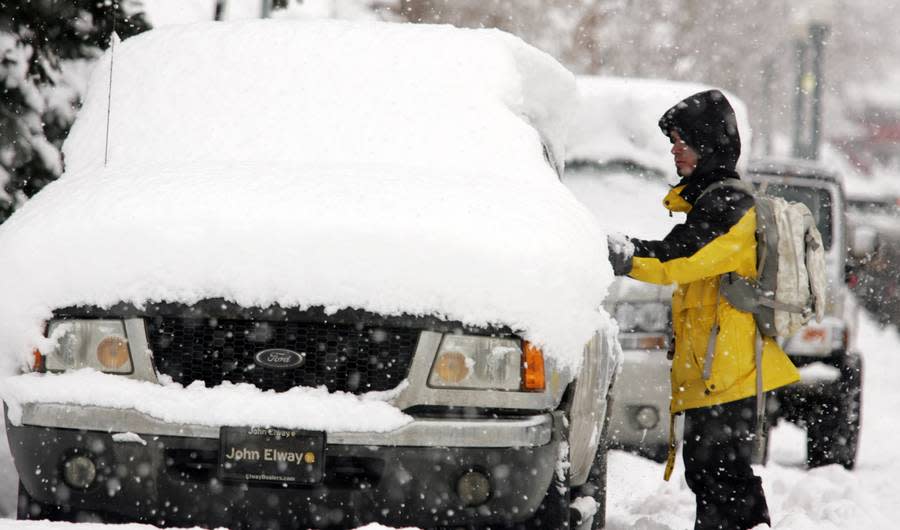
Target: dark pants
x=718, y=445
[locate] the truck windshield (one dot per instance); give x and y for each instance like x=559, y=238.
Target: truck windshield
x=818, y=201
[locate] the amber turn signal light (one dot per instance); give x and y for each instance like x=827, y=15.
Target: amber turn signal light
x=37, y=364
x=533, y=367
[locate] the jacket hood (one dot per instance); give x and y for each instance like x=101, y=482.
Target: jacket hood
x=706, y=122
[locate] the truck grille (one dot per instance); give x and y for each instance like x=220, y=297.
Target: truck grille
x=342, y=357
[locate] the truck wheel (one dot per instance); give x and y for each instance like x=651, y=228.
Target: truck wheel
x=832, y=431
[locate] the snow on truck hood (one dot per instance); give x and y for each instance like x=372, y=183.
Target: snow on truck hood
x=396, y=169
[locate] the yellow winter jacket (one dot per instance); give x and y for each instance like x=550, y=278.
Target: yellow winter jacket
x=717, y=237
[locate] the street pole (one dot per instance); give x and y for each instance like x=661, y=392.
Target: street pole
x=817, y=34
x=800, y=99
x=768, y=79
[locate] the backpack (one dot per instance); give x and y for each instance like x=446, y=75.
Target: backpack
x=790, y=285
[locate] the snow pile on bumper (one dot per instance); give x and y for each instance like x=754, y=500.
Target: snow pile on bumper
x=227, y=404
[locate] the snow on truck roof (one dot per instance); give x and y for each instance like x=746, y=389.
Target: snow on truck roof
x=325, y=92
x=391, y=168
x=617, y=120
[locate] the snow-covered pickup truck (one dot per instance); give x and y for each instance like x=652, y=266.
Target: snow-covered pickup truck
x=828, y=399
x=306, y=274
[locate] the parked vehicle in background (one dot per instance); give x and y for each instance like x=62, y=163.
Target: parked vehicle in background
x=619, y=165
x=827, y=400
x=325, y=276
x=875, y=255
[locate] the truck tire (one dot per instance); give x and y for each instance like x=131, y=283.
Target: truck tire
x=832, y=430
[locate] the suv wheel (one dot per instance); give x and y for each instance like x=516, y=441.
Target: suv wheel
x=832, y=431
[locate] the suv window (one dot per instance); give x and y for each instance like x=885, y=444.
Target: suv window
x=818, y=201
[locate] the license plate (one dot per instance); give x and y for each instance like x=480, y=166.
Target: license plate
x=259, y=454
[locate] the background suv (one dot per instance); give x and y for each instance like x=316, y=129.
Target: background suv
x=827, y=401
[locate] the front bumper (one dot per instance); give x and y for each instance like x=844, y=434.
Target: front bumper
x=642, y=388
x=405, y=477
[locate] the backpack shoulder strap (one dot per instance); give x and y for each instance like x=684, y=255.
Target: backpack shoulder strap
x=727, y=183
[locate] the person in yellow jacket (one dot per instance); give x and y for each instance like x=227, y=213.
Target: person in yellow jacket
x=714, y=364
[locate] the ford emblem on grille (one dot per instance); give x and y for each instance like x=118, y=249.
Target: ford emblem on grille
x=280, y=359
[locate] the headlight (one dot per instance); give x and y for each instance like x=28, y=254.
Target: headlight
x=648, y=316
x=98, y=344
x=468, y=361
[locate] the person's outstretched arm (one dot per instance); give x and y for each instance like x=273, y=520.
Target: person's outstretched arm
x=712, y=241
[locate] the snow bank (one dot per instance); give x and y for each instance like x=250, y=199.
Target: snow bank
x=617, y=120
x=391, y=168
